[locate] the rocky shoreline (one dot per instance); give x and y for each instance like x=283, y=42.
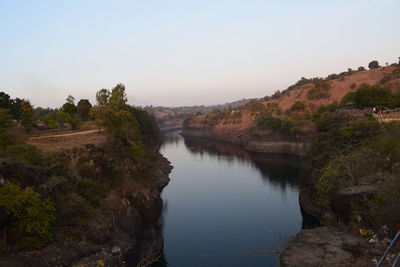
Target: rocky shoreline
x=257, y=141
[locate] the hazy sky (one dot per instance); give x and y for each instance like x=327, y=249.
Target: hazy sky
x=173, y=53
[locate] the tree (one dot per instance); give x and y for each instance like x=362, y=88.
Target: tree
x=49, y=121
x=5, y=101
x=16, y=108
x=5, y=120
x=27, y=116
x=32, y=216
x=5, y=124
x=62, y=118
x=83, y=108
x=70, y=99
x=69, y=107
x=102, y=97
x=119, y=121
x=98, y=112
x=373, y=65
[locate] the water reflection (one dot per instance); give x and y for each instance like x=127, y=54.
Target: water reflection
x=278, y=170
x=225, y=202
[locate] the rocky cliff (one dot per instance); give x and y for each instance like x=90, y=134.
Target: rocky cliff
x=124, y=229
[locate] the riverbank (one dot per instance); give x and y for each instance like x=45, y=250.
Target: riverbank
x=255, y=140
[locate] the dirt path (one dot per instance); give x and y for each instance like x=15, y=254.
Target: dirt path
x=63, y=135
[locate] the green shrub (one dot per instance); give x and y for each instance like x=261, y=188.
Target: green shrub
x=73, y=209
x=320, y=90
x=284, y=126
x=91, y=191
x=33, y=217
x=254, y=105
x=28, y=153
x=298, y=106
x=269, y=122
x=370, y=96
x=136, y=151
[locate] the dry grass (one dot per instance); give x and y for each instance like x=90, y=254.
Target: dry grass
x=66, y=140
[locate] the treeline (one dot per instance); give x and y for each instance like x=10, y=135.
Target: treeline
x=22, y=111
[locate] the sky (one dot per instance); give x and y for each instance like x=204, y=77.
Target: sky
x=186, y=52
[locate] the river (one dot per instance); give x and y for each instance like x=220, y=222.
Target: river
x=228, y=207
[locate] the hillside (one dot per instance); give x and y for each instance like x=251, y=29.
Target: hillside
x=293, y=108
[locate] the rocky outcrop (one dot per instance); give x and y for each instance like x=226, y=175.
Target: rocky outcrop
x=329, y=246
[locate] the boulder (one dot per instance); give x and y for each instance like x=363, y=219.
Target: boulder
x=328, y=246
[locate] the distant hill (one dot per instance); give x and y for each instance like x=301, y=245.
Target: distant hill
x=173, y=117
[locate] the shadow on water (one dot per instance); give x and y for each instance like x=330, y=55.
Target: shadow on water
x=278, y=170
x=280, y=173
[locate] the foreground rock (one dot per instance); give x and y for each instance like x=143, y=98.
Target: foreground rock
x=329, y=246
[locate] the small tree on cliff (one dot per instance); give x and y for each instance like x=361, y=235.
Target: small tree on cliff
x=373, y=64
x=119, y=121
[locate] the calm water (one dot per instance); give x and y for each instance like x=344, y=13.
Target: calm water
x=228, y=207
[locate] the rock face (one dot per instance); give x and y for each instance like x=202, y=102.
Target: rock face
x=350, y=197
x=328, y=246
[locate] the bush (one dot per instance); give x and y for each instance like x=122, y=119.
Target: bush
x=91, y=191
x=33, y=217
x=73, y=209
x=136, y=151
x=321, y=90
x=373, y=65
x=370, y=96
x=254, y=105
x=27, y=153
x=269, y=122
x=284, y=126
x=298, y=106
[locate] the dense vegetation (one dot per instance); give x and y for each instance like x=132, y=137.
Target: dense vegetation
x=42, y=193
x=372, y=96
x=351, y=151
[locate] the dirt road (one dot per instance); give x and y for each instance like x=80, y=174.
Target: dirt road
x=63, y=135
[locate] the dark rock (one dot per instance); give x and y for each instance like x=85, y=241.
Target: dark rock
x=352, y=197
x=327, y=246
